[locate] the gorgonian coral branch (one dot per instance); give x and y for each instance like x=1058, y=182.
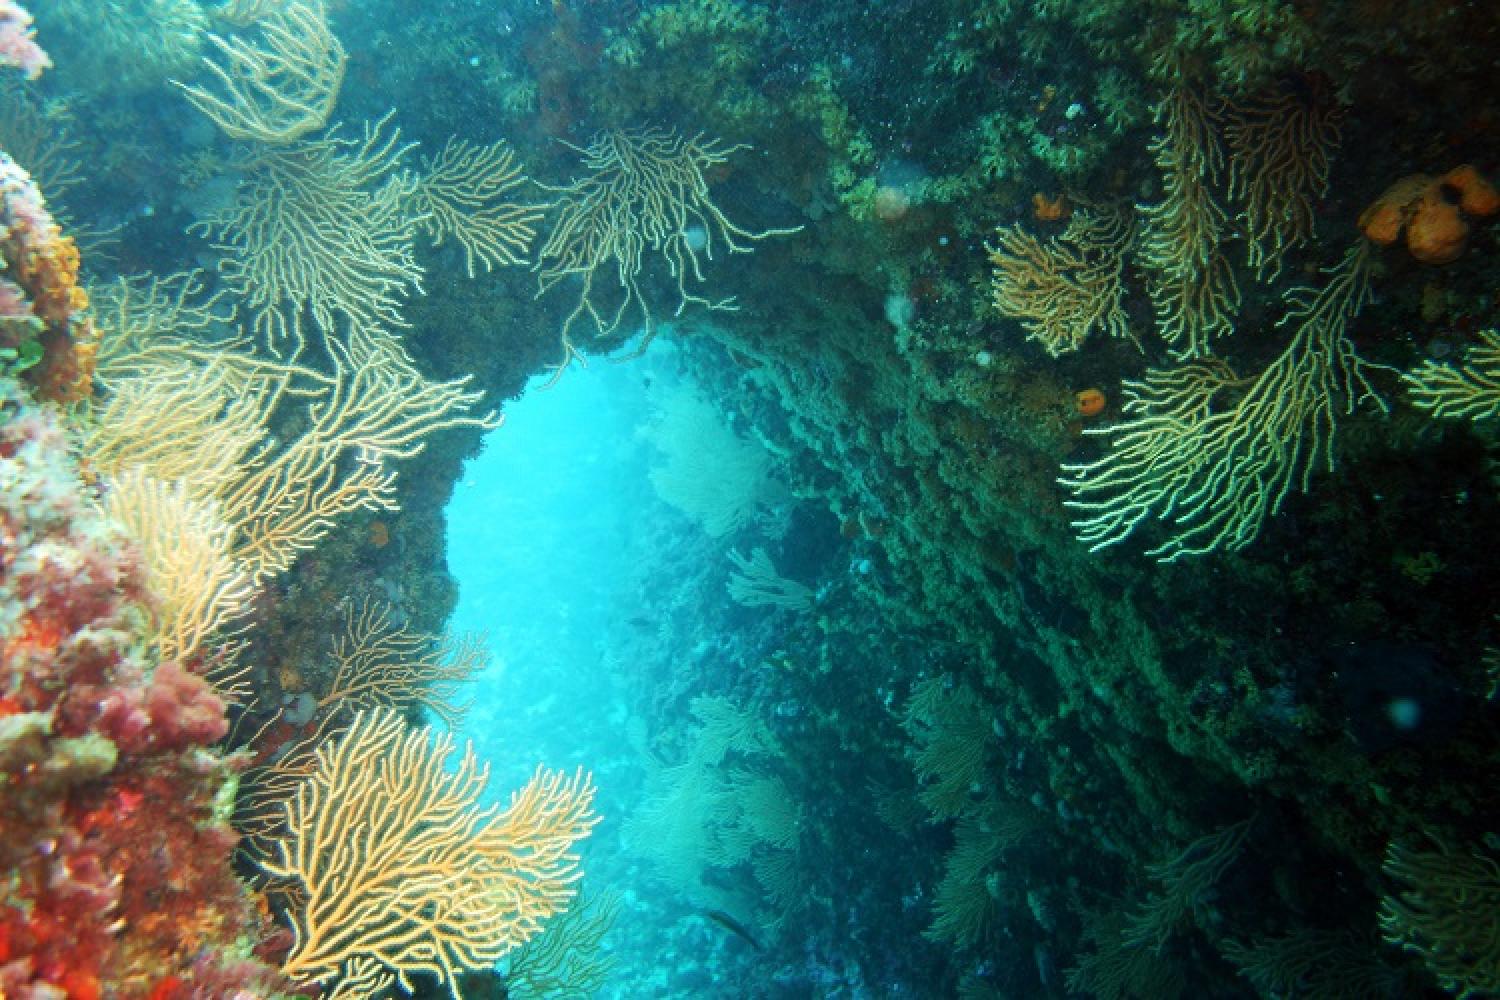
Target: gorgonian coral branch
x=645, y=196
x=1469, y=390
x=399, y=865
x=1214, y=454
x=1193, y=287
x=1445, y=907
x=1280, y=148
x=1066, y=288
x=462, y=193
x=281, y=89
x=321, y=227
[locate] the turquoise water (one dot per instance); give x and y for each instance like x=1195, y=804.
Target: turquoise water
x=556, y=539
x=554, y=536
x=539, y=540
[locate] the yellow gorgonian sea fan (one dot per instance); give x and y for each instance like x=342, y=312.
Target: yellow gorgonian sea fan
x=400, y=870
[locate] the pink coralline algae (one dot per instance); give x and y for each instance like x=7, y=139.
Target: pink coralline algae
x=18, y=46
x=117, y=862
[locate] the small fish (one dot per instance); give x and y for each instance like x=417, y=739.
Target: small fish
x=734, y=926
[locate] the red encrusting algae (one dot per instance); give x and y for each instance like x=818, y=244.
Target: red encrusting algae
x=113, y=826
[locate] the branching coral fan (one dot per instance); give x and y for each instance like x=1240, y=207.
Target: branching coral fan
x=400, y=867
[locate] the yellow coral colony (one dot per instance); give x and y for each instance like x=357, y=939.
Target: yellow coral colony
x=401, y=871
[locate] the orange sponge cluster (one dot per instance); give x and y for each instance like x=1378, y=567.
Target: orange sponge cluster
x=1432, y=211
x=41, y=277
